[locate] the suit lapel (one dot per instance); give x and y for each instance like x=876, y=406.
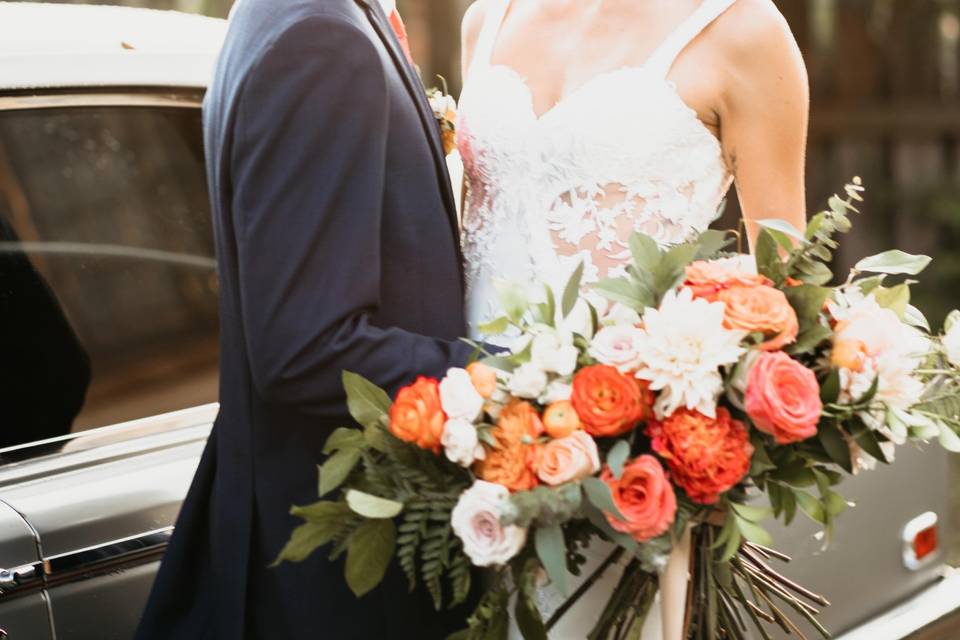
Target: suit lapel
x=415, y=87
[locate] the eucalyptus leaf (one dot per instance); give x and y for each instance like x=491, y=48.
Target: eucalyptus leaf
x=631, y=293
x=617, y=457
x=894, y=298
x=598, y=494
x=769, y=263
x=370, y=506
x=894, y=262
x=915, y=318
x=778, y=224
x=949, y=439
x=645, y=251
x=552, y=551
x=750, y=513
x=754, y=532
x=367, y=403
x=811, y=506
x=571, y=292
x=368, y=555
x=513, y=299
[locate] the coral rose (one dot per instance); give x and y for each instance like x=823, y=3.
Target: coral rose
x=706, y=279
x=783, y=398
x=567, y=459
x=608, y=402
x=706, y=456
x=417, y=416
x=561, y=419
x=484, y=378
x=512, y=462
x=644, y=496
x=761, y=309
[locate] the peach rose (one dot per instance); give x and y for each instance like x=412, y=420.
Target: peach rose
x=849, y=354
x=416, y=415
x=708, y=278
x=783, y=398
x=484, y=378
x=512, y=462
x=761, y=309
x=561, y=419
x=644, y=496
x=608, y=402
x=568, y=459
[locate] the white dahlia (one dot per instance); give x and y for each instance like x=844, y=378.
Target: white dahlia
x=681, y=352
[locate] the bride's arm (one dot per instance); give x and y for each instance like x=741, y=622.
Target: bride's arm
x=764, y=113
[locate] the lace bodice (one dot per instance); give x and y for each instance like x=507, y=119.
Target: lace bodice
x=546, y=192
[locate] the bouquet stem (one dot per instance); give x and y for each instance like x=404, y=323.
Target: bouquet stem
x=673, y=588
x=611, y=560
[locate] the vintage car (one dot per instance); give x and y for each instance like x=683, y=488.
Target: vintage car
x=108, y=344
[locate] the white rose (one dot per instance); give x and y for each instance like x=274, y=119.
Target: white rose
x=553, y=351
x=618, y=347
x=557, y=391
x=951, y=344
x=528, y=381
x=458, y=397
x=494, y=406
x=461, y=443
x=476, y=521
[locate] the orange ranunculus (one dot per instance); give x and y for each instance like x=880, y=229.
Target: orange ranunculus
x=644, y=496
x=561, y=419
x=706, y=456
x=706, y=278
x=609, y=403
x=484, y=378
x=511, y=463
x=567, y=459
x=761, y=309
x=417, y=416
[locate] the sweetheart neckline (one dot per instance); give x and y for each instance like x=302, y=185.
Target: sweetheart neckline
x=669, y=84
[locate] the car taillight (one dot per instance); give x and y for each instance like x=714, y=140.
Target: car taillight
x=920, y=541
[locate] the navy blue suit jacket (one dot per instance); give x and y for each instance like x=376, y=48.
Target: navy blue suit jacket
x=338, y=250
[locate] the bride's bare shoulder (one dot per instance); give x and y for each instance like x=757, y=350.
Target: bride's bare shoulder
x=750, y=27
x=473, y=21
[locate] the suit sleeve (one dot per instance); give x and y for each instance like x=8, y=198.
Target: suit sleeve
x=308, y=168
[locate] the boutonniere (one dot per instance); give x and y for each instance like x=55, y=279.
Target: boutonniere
x=445, y=111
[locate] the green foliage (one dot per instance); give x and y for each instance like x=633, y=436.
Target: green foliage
x=894, y=262
x=367, y=403
x=551, y=549
x=543, y=506
x=368, y=555
x=372, y=507
x=617, y=457
x=529, y=620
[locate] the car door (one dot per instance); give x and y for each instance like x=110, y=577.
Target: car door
x=108, y=350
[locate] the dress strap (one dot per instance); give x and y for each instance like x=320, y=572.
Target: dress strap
x=666, y=54
x=487, y=39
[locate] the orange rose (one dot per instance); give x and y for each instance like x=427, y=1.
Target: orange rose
x=706, y=456
x=416, y=415
x=561, y=419
x=483, y=377
x=609, y=403
x=783, y=398
x=512, y=462
x=644, y=496
x=567, y=459
x=706, y=279
x=761, y=309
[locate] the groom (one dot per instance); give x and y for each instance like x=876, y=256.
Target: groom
x=338, y=250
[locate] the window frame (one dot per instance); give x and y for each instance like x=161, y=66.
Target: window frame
x=184, y=421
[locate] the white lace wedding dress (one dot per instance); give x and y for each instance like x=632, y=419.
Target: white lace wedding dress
x=622, y=153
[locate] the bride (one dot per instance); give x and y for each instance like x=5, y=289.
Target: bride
x=582, y=121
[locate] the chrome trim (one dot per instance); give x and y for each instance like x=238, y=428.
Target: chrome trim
x=20, y=577
x=113, y=98
x=140, y=548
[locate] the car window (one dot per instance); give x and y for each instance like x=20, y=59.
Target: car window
x=108, y=292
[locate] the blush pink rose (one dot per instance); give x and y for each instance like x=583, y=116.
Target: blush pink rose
x=567, y=459
x=783, y=398
x=644, y=496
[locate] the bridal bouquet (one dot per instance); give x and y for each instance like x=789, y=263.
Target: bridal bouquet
x=708, y=379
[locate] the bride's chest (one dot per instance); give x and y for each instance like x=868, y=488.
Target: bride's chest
x=621, y=122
